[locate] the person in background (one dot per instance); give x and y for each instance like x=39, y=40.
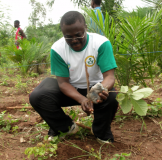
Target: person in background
x=69, y=57
x=19, y=33
x=95, y=4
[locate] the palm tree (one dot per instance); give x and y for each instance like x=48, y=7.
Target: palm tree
x=157, y=4
x=128, y=36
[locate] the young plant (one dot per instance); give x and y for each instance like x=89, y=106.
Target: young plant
x=155, y=108
x=132, y=97
x=44, y=149
x=121, y=156
x=5, y=124
x=15, y=129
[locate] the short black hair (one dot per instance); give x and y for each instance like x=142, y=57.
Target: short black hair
x=97, y=2
x=17, y=22
x=71, y=17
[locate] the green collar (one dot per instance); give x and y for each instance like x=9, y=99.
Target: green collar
x=85, y=44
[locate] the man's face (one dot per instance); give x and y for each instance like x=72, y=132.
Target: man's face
x=15, y=24
x=77, y=34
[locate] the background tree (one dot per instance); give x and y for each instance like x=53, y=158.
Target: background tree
x=38, y=14
x=157, y=4
x=110, y=6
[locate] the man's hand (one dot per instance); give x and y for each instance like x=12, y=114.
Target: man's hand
x=87, y=106
x=103, y=95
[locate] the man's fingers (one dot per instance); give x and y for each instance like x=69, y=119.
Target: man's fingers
x=84, y=108
x=102, y=96
x=99, y=101
x=105, y=93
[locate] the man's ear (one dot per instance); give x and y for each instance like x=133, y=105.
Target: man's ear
x=86, y=27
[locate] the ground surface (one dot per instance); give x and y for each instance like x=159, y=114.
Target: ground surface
x=141, y=138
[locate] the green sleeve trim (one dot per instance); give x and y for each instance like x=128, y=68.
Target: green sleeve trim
x=58, y=65
x=105, y=59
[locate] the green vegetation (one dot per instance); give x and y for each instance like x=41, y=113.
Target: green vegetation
x=5, y=125
x=43, y=150
x=136, y=40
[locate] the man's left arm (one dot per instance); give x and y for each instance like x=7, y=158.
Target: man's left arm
x=107, y=64
x=22, y=33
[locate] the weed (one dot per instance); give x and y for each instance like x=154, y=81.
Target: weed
x=36, y=139
x=121, y=156
x=143, y=124
x=43, y=125
x=15, y=129
x=32, y=74
x=20, y=86
x=5, y=83
x=23, y=109
x=6, y=124
x=73, y=114
x=155, y=109
x=44, y=149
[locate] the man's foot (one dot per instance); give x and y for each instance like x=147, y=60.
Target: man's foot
x=74, y=129
x=103, y=142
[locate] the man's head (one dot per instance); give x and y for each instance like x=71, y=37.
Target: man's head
x=95, y=3
x=73, y=27
x=16, y=23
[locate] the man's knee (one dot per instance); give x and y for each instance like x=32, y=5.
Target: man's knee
x=34, y=97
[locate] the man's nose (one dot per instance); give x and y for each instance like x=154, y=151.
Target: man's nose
x=74, y=40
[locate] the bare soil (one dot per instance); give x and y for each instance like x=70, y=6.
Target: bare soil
x=144, y=142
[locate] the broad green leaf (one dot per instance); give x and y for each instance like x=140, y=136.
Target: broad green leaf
x=137, y=96
x=130, y=92
x=120, y=97
x=140, y=107
x=126, y=105
x=124, y=89
x=134, y=88
x=145, y=91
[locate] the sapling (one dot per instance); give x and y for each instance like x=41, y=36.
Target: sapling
x=127, y=97
x=132, y=97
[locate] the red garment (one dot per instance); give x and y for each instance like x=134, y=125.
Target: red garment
x=18, y=36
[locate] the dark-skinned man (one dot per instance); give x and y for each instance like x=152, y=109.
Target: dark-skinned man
x=68, y=57
x=19, y=33
x=95, y=4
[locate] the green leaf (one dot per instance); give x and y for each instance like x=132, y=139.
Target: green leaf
x=46, y=137
x=124, y=89
x=140, y=107
x=130, y=92
x=137, y=96
x=126, y=105
x=145, y=91
x=134, y=88
x=120, y=97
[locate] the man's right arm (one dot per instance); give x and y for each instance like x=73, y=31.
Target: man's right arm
x=60, y=69
x=22, y=33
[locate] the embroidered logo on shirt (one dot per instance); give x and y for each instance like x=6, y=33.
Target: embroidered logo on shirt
x=90, y=61
x=68, y=65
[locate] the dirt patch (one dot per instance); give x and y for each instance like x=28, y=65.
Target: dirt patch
x=140, y=137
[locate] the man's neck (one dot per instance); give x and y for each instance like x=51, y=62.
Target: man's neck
x=96, y=6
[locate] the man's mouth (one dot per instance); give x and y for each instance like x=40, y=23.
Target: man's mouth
x=76, y=45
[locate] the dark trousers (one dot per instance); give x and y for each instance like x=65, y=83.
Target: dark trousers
x=47, y=100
